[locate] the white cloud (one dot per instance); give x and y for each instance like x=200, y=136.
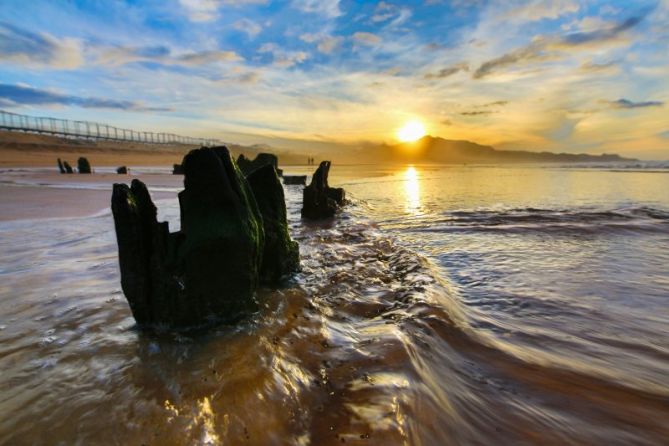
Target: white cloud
x=39, y=50
x=249, y=27
x=207, y=10
x=310, y=37
x=386, y=11
x=205, y=57
x=288, y=59
x=268, y=48
x=116, y=56
x=326, y=43
x=366, y=38
x=201, y=10
x=283, y=58
x=249, y=78
x=329, y=44
x=326, y=8
x=544, y=9
x=383, y=12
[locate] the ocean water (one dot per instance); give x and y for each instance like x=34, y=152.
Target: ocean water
x=445, y=305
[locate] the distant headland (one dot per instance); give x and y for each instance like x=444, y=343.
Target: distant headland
x=430, y=149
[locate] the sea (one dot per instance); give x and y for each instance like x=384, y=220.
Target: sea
x=444, y=305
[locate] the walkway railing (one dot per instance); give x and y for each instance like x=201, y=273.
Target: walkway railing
x=92, y=130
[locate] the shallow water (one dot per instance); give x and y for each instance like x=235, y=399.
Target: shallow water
x=446, y=305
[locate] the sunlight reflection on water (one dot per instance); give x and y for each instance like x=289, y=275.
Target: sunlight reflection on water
x=412, y=190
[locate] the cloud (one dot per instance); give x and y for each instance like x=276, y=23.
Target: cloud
x=283, y=58
x=607, y=67
x=290, y=58
x=326, y=8
x=121, y=55
x=201, y=10
x=366, y=38
x=386, y=11
x=326, y=43
x=529, y=53
x=42, y=50
x=207, y=10
x=626, y=103
x=204, y=58
x=544, y=9
x=247, y=26
x=249, y=78
x=548, y=47
x=329, y=44
x=23, y=95
x=493, y=104
x=311, y=37
x=484, y=109
x=477, y=112
x=448, y=71
x=599, y=35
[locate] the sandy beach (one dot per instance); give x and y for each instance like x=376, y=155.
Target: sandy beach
x=30, y=194
x=19, y=149
x=31, y=186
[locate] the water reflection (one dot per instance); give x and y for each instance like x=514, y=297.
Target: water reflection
x=412, y=190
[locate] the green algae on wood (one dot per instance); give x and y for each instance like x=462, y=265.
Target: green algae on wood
x=209, y=270
x=223, y=233
x=281, y=255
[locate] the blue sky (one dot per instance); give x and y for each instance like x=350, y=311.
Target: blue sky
x=549, y=75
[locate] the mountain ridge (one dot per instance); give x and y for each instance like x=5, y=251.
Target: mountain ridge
x=441, y=150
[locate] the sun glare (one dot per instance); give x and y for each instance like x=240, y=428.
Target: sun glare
x=412, y=190
x=411, y=131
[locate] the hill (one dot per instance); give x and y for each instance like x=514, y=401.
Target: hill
x=439, y=150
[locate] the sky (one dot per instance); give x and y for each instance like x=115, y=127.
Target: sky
x=558, y=75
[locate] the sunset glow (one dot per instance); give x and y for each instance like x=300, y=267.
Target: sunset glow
x=568, y=76
x=411, y=131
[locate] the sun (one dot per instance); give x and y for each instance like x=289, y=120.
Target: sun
x=411, y=131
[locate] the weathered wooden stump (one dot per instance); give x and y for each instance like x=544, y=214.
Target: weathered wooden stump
x=281, y=255
x=247, y=166
x=83, y=166
x=210, y=269
x=321, y=201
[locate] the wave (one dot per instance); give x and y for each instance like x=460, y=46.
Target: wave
x=589, y=220
x=431, y=342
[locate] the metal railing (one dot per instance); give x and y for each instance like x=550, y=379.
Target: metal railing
x=93, y=130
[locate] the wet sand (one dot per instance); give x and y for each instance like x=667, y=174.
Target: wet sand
x=30, y=195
